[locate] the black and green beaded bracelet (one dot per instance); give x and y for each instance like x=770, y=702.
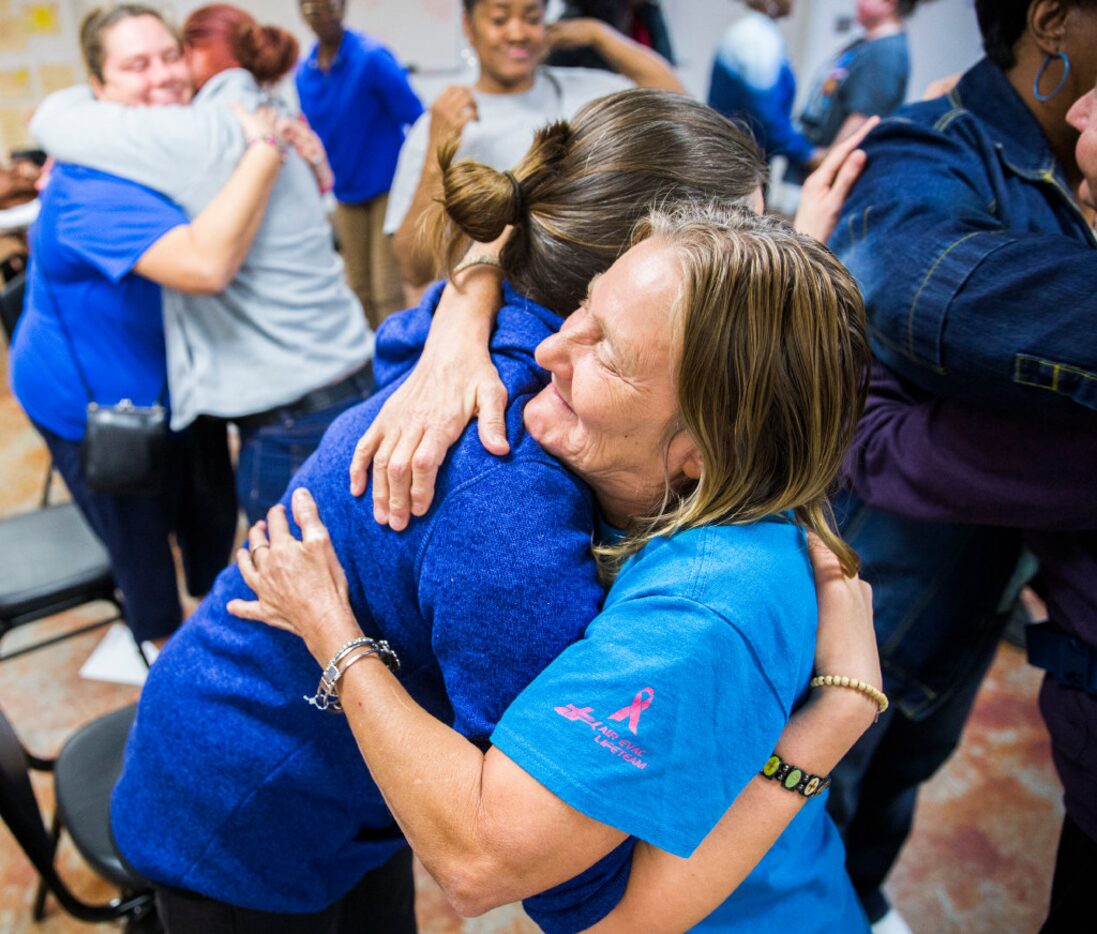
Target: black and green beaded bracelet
x=793, y=778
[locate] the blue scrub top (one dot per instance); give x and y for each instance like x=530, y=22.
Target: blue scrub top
x=359, y=109
x=658, y=718
x=91, y=231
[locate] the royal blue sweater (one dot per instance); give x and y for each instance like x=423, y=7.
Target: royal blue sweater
x=236, y=788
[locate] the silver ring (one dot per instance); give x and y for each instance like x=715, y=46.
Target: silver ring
x=256, y=550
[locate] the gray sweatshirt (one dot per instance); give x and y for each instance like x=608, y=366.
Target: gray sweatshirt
x=288, y=323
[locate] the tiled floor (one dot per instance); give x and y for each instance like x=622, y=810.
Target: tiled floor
x=979, y=861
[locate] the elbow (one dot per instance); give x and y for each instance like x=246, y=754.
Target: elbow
x=211, y=277
x=476, y=882
x=471, y=893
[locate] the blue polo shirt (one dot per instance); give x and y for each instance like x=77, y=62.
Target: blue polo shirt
x=360, y=109
x=90, y=233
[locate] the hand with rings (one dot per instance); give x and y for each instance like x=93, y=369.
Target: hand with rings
x=299, y=585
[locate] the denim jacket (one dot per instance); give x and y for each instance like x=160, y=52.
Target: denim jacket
x=977, y=266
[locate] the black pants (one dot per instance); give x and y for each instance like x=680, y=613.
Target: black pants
x=1073, y=885
x=382, y=903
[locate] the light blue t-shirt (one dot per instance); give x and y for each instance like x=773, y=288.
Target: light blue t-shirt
x=90, y=233
x=868, y=77
x=658, y=718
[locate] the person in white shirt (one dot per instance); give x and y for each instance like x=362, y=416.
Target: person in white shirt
x=513, y=96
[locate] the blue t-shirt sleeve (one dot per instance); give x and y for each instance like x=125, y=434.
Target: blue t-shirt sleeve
x=877, y=81
x=653, y=723
x=119, y=221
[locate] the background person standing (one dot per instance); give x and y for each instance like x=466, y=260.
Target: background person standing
x=357, y=98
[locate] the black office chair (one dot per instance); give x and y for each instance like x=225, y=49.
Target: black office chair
x=11, y=302
x=84, y=772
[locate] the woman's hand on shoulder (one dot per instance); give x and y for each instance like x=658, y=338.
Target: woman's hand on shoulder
x=825, y=191
x=453, y=382
x=299, y=586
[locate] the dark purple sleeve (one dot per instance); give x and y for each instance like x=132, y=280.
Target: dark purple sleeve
x=941, y=460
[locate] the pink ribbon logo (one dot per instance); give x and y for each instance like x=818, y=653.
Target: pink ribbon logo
x=639, y=704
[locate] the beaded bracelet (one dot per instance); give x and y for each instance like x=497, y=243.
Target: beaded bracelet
x=483, y=259
x=854, y=684
x=793, y=778
x=271, y=140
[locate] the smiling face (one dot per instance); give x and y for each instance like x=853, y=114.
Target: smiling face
x=143, y=64
x=610, y=410
x=508, y=37
x=1083, y=117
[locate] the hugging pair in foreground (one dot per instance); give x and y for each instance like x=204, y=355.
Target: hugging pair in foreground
x=541, y=736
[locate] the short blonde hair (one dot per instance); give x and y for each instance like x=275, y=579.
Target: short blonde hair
x=772, y=377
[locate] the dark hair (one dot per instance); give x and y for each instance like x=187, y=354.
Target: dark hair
x=582, y=186
x=99, y=20
x=268, y=52
x=1003, y=22
x=470, y=5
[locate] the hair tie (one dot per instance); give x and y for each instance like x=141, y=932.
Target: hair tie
x=519, y=199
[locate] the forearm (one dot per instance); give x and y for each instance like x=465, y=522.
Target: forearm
x=642, y=66
x=478, y=823
x=410, y=243
x=205, y=255
x=668, y=894
x=435, y=796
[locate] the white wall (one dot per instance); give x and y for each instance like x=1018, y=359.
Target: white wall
x=426, y=35
x=944, y=39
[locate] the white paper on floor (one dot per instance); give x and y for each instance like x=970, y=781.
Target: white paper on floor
x=116, y=658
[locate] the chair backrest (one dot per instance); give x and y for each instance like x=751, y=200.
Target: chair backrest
x=11, y=302
x=18, y=806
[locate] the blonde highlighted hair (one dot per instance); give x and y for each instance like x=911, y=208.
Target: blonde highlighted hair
x=772, y=376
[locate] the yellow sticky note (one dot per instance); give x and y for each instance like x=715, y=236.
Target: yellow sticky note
x=15, y=83
x=41, y=19
x=56, y=77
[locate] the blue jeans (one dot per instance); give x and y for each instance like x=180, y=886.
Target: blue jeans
x=937, y=591
x=196, y=506
x=273, y=447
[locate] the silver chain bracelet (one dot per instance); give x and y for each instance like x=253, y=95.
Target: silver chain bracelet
x=327, y=691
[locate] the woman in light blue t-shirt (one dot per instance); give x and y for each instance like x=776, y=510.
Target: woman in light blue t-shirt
x=705, y=390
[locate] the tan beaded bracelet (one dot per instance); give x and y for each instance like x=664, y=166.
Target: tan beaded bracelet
x=854, y=684
x=482, y=259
